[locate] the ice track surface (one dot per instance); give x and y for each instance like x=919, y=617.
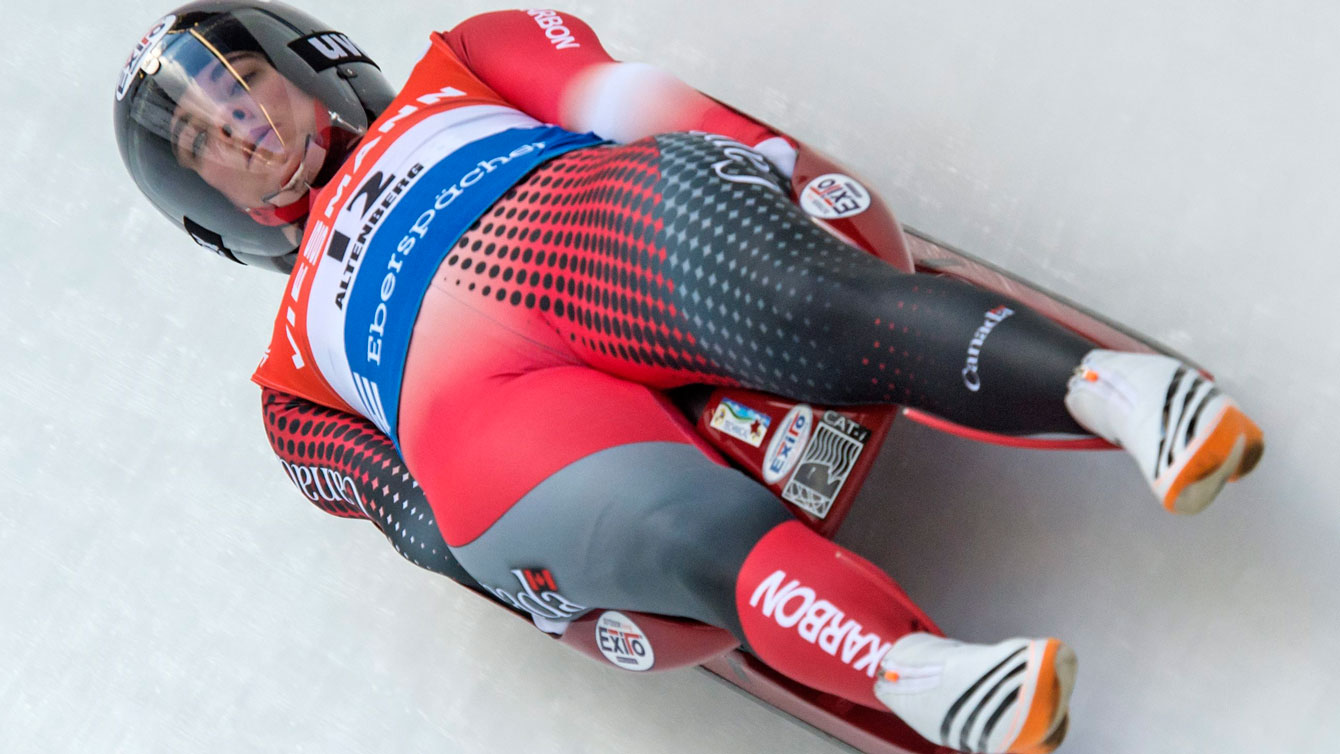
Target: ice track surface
x=1172, y=166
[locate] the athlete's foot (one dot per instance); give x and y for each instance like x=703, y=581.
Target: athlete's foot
x=1012, y=697
x=1187, y=437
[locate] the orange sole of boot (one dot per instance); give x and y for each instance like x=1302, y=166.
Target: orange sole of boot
x=1047, y=718
x=1229, y=452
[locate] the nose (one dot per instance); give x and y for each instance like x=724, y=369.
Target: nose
x=232, y=136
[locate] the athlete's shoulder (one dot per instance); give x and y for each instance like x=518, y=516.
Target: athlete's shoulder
x=532, y=58
x=559, y=29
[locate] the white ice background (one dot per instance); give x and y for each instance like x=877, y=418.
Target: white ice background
x=1171, y=164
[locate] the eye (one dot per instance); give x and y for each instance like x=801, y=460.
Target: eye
x=240, y=85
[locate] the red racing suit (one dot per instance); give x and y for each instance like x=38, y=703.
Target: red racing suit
x=576, y=281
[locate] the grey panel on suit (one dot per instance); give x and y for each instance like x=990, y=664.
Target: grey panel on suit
x=655, y=527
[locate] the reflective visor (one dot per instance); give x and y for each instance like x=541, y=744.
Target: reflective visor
x=223, y=111
x=228, y=114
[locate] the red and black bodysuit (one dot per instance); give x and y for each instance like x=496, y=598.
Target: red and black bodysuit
x=529, y=417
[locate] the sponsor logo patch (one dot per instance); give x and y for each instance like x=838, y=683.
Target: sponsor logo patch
x=327, y=49
x=539, y=595
x=740, y=164
x=370, y=191
x=623, y=643
x=789, y=440
x=558, y=35
x=826, y=464
x=323, y=485
x=821, y=623
x=741, y=422
x=137, y=56
x=971, y=378
x=834, y=196
x=540, y=578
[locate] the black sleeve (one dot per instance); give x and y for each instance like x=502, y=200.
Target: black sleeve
x=345, y=466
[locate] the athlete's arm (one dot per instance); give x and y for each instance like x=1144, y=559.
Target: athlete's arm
x=552, y=66
x=345, y=466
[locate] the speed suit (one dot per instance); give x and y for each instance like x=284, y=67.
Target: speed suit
x=505, y=299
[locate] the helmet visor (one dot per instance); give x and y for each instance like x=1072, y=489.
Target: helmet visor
x=225, y=112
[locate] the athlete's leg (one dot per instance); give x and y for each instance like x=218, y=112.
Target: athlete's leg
x=655, y=524
x=657, y=268
x=638, y=517
x=531, y=460
x=666, y=262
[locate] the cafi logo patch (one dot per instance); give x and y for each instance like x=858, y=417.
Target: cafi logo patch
x=828, y=461
x=623, y=643
x=834, y=196
x=138, y=57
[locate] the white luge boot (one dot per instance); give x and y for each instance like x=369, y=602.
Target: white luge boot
x=1006, y=698
x=1187, y=437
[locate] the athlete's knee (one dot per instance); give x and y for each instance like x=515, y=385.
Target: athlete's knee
x=677, y=544
x=826, y=303
x=699, y=544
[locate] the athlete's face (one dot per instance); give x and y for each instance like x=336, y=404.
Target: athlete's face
x=248, y=132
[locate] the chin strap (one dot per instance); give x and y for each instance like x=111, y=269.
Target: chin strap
x=281, y=216
x=271, y=216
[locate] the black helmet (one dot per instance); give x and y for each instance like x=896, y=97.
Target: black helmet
x=228, y=112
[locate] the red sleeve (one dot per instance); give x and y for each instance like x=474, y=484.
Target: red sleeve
x=345, y=466
x=552, y=66
x=518, y=58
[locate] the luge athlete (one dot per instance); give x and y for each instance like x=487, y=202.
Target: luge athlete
x=494, y=271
